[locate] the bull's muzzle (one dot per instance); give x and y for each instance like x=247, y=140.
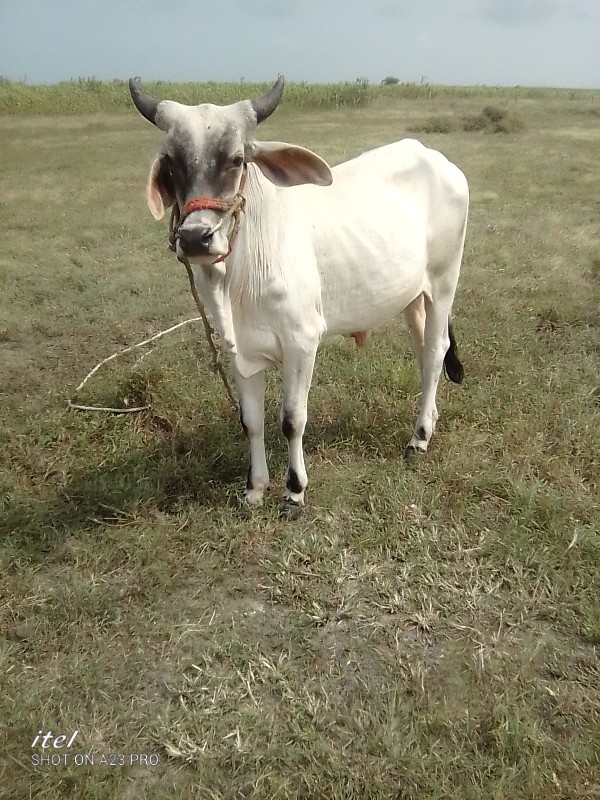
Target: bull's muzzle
x=195, y=240
x=199, y=241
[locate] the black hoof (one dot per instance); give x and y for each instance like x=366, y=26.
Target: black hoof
x=290, y=509
x=411, y=452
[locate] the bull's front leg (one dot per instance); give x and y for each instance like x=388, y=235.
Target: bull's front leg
x=252, y=416
x=298, y=364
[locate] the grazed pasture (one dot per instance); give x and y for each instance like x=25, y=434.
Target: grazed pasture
x=429, y=631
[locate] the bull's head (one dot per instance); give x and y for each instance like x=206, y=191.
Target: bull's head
x=204, y=155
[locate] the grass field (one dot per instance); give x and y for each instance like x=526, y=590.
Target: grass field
x=424, y=631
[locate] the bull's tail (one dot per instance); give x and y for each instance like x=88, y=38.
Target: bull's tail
x=452, y=367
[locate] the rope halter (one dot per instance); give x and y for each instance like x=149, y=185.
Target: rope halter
x=233, y=205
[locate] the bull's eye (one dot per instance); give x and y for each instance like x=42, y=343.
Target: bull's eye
x=237, y=161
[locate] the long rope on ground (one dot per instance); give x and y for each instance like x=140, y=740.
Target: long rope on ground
x=92, y=372
x=216, y=365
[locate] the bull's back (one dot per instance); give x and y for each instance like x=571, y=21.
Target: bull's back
x=399, y=185
x=372, y=230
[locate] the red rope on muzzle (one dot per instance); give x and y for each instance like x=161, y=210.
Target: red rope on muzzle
x=204, y=203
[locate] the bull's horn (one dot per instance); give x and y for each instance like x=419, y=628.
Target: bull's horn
x=144, y=102
x=267, y=104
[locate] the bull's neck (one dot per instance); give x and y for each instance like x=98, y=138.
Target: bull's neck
x=257, y=253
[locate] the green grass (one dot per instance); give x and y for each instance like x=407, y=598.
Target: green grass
x=89, y=95
x=429, y=631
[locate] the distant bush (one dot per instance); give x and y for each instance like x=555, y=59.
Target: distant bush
x=494, y=114
x=475, y=122
x=510, y=124
x=390, y=80
x=437, y=124
x=493, y=119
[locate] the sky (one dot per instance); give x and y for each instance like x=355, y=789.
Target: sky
x=454, y=42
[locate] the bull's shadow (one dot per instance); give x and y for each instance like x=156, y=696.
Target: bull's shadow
x=205, y=466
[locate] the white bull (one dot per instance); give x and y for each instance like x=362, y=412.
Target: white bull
x=319, y=252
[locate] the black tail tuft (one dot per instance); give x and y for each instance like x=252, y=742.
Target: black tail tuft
x=452, y=367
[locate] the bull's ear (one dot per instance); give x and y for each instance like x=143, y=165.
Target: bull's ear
x=290, y=165
x=160, y=193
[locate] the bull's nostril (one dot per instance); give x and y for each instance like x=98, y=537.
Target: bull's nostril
x=195, y=239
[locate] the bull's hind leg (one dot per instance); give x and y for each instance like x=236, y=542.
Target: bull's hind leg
x=438, y=351
x=414, y=314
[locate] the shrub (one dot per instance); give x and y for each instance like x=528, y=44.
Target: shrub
x=475, y=122
x=493, y=120
x=438, y=124
x=494, y=114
